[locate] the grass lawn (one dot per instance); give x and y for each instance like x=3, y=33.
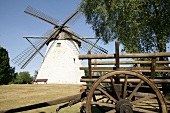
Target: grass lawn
x=13, y=96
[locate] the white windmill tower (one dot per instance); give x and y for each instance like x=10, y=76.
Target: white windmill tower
x=60, y=63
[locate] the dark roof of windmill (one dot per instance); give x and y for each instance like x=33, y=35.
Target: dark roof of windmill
x=64, y=35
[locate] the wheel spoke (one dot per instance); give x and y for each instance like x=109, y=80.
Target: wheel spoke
x=115, y=88
x=135, y=90
x=143, y=99
x=103, y=104
x=144, y=110
x=107, y=100
x=95, y=100
x=111, y=111
x=130, y=84
x=125, y=87
x=102, y=86
x=108, y=95
x=98, y=99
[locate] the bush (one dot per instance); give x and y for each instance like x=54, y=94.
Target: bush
x=23, y=78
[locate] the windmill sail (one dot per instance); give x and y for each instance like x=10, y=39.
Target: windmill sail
x=25, y=57
x=22, y=59
x=87, y=44
x=36, y=13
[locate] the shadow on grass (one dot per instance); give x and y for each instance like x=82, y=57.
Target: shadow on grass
x=100, y=109
x=107, y=109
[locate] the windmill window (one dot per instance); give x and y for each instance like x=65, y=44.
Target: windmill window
x=58, y=44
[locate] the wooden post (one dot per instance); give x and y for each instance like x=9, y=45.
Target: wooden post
x=95, y=65
x=117, y=81
x=138, y=65
x=89, y=66
x=117, y=54
x=153, y=66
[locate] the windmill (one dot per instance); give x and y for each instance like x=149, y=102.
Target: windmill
x=60, y=62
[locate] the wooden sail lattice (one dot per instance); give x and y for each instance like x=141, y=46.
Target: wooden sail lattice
x=36, y=13
x=23, y=58
x=87, y=45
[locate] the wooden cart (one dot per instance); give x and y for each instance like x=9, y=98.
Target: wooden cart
x=128, y=89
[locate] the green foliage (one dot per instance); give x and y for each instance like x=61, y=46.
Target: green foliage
x=7, y=73
x=23, y=78
x=101, y=73
x=141, y=26
x=86, y=72
x=35, y=74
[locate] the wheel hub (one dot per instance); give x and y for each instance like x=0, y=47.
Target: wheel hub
x=123, y=106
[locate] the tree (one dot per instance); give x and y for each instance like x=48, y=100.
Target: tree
x=7, y=73
x=18, y=79
x=25, y=77
x=35, y=74
x=140, y=25
x=146, y=24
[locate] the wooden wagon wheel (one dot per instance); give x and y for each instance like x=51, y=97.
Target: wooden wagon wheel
x=123, y=97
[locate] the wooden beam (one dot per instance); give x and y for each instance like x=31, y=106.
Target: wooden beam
x=125, y=68
x=127, y=55
x=128, y=80
x=128, y=62
x=42, y=37
x=133, y=70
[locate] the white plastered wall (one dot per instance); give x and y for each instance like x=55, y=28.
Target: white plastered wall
x=61, y=63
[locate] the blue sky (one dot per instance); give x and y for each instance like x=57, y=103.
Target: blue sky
x=14, y=24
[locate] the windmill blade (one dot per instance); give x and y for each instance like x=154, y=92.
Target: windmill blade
x=36, y=13
x=95, y=48
x=28, y=54
x=34, y=47
x=75, y=18
x=22, y=59
x=72, y=15
x=44, y=36
x=94, y=44
x=36, y=37
x=86, y=47
x=54, y=33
